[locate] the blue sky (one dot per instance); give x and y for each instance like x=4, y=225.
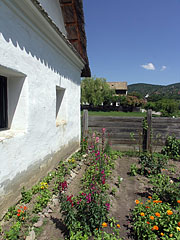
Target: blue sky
x=137, y=41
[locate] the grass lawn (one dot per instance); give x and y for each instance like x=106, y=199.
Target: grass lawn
x=118, y=114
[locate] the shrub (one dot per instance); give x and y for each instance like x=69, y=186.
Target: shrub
x=152, y=163
x=172, y=148
x=166, y=189
x=155, y=220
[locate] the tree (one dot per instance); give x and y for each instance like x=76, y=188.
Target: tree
x=95, y=91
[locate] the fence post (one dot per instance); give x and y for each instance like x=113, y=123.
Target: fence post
x=149, y=123
x=85, y=123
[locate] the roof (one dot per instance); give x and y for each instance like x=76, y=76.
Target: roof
x=73, y=15
x=74, y=23
x=118, y=85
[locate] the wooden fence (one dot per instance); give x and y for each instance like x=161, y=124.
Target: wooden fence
x=127, y=133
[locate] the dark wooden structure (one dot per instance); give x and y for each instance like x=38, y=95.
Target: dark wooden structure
x=74, y=23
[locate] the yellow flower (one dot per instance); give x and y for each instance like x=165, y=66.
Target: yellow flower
x=142, y=214
x=162, y=234
x=118, y=225
x=169, y=212
x=104, y=224
x=178, y=228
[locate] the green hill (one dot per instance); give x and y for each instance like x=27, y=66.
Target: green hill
x=144, y=89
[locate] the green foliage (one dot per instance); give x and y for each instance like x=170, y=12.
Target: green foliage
x=166, y=189
x=156, y=92
x=84, y=144
x=152, y=163
x=113, y=191
x=133, y=170
x=14, y=232
x=167, y=107
x=34, y=219
x=42, y=200
x=26, y=196
x=156, y=220
x=130, y=101
x=88, y=210
x=172, y=148
x=95, y=91
x=10, y=213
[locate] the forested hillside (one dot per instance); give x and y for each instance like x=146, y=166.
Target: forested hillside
x=170, y=91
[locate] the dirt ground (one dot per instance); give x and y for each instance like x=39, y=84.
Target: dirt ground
x=130, y=189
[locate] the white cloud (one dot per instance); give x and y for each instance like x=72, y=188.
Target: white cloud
x=163, y=68
x=148, y=66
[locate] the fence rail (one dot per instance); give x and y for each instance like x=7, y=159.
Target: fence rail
x=127, y=133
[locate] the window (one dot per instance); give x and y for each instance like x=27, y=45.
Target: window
x=60, y=106
x=13, y=101
x=3, y=103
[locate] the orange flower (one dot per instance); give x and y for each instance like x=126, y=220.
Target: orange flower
x=147, y=207
x=155, y=228
x=19, y=210
x=162, y=234
x=18, y=214
x=169, y=212
x=151, y=217
x=104, y=224
x=178, y=201
x=171, y=235
x=118, y=226
x=157, y=214
x=25, y=208
x=179, y=224
x=149, y=197
x=141, y=203
x=148, y=222
x=137, y=201
x=96, y=228
x=159, y=201
x=22, y=218
x=149, y=201
x=142, y=214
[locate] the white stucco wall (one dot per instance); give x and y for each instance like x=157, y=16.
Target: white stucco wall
x=34, y=68
x=52, y=7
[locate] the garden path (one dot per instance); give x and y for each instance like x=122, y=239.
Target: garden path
x=130, y=189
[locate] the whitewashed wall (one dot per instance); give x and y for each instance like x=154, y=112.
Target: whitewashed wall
x=35, y=68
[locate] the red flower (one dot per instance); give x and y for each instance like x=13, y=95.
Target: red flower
x=25, y=208
x=18, y=214
x=19, y=210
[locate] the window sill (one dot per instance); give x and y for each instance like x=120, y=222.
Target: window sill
x=61, y=123
x=7, y=134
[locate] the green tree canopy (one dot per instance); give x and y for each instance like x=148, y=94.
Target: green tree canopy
x=95, y=91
